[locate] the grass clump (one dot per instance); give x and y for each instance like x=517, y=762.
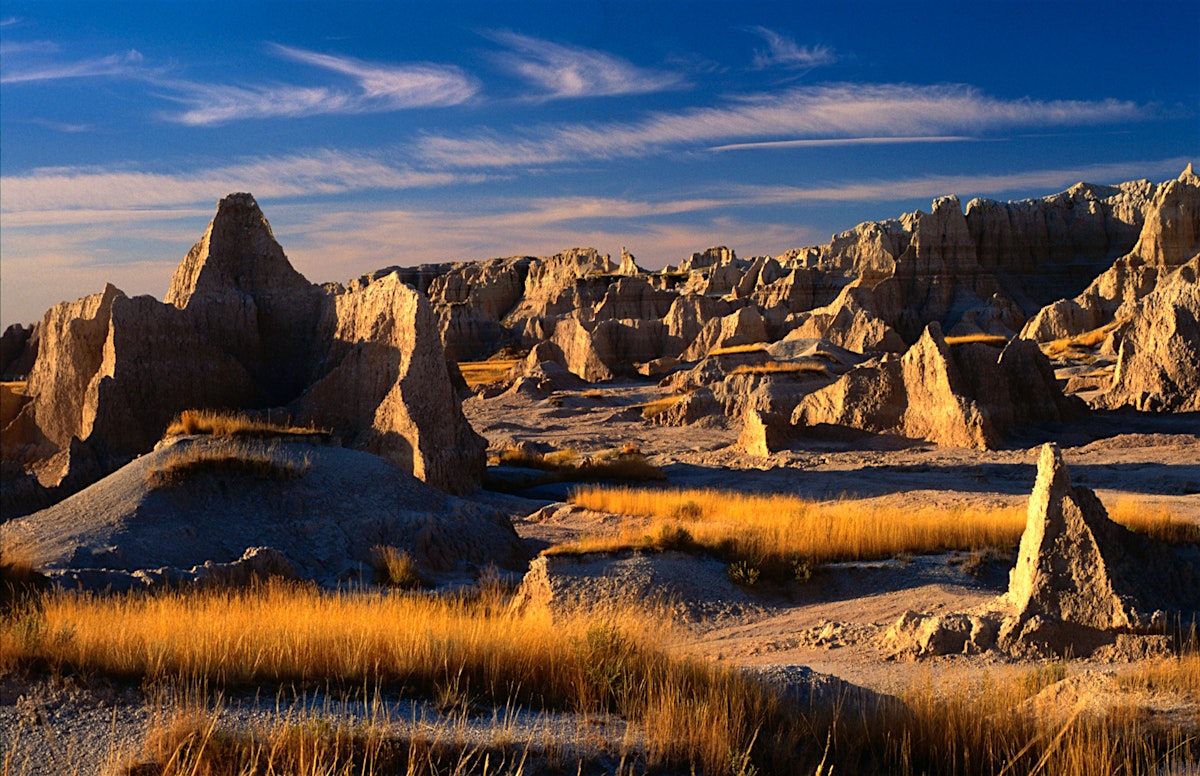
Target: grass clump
x=782, y=367
x=1080, y=344
x=623, y=463
x=652, y=409
x=220, y=423
x=1157, y=522
x=396, y=568
x=779, y=532
x=997, y=340
x=230, y=458
x=477, y=373
x=731, y=350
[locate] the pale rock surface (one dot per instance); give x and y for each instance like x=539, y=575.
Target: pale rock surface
x=967, y=395
x=765, y=433
x=387, y=389
x=629, y=265
x=1077, y=566
x=741, y=327
x=1158, y=363
x=579, y=353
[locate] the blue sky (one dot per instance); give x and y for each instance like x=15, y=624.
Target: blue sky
x=400, y=133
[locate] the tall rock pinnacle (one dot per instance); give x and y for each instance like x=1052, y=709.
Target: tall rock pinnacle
x=237, y=253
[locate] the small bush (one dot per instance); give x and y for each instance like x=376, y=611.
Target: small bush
x=802, y=570
x=744, y=573
x=396, y=568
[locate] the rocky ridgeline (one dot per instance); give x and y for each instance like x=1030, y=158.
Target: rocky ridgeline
x=858, y=333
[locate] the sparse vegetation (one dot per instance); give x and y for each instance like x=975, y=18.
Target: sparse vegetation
x=1080, y=344
x=997, y=340
x=688, y=713
x=477, y=373
x=653, y=409
x=623, y=463
x=730, y=350
x=396, y=568
x=777, y=532
x=12, y=398
x=691, y=713
x=782, y=367
x=236, y=424
x=228, y=457
x=1156, y=521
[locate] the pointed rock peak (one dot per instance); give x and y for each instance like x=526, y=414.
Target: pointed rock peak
x=237, y=253
x=947, y=203
x=1189, y=177
x=1053, y=477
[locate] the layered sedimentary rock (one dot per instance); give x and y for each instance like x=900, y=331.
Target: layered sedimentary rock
x=967, y=395
x=1169, y=236
x=241, y=329
x=1158, y=363
x=387, y=389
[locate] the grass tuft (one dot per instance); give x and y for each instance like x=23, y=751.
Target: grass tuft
x=231, y=458
x=730, y=350
x=782, y=367
x=1080, y=344
x=624, y=463
x=782, y=534
x=220, y=423
x=396, y=568
x=652, y=409
x=998, y=340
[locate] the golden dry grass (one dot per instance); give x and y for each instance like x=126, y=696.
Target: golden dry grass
x=229, y=456
x=999, y=340
x=786, y=529
x=653, y=409
x=779, y=531
x=729, y=350
x=222, y=423
x=396, y=568
x=1158, y=522
x=782, y=367
x=611, y=661
x=623, y=463
x=986, y=725
x=478, y=373
x=1080, y=344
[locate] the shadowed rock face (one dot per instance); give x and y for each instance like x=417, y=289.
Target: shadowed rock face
x=1077, y=566
x=242, y=329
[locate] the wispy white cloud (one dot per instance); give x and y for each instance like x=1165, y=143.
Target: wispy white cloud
x=782, y=51
x=10, y=21
x=21, y=71
x=562, y=71
x=826, y=112
x=75, y=195
x=63, y=126
x=841, y=141
x=376, y=88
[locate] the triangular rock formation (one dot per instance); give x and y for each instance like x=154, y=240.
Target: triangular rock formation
x=1077, y=566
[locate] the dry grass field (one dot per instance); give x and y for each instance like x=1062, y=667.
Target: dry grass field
x=477, y=373
x=690, y=715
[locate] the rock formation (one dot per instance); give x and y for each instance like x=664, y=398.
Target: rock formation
x=241, y=329
x=1081, y=584
x=1078, y=567
x=967, y=395
x=1158, y=363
